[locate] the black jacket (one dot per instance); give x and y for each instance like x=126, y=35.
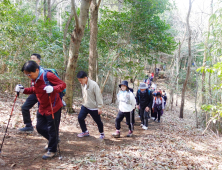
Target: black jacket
x=144, y=99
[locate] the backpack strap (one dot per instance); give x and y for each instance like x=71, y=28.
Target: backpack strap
x=148, y=91
x=138, y=92
x=45, y=77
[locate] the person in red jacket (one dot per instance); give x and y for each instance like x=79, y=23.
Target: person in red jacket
x=45, y=123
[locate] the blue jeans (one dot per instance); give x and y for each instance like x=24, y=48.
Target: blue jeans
x=29, y=103
x=45, y=127
x=96, y=117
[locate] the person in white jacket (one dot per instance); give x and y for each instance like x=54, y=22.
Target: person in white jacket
x=127, y=103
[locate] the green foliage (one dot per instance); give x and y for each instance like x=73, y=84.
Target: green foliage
x=132, y=34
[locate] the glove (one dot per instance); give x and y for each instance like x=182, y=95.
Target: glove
x=19, y=88
x=48, y=89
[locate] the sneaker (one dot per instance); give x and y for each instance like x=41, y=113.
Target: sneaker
x=102, y=136
x=83, y=134
x=130, y=134
x=141, y=125
x=48, y=155
x=144, y=127
x=154, y=119
x=116, y=134
x=26, y=129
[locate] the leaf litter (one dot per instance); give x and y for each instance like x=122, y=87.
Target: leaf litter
x=172, y=144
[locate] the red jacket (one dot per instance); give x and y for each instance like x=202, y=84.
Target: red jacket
x=42, y=96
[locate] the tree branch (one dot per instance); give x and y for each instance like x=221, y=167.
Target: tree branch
x=57, y=4
x=75, y=14
x=98, y=4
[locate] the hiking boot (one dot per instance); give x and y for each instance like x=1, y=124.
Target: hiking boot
x=102, y=136
x=116, y=134
x=130, y=134
x=26, y=129
x=83, y=134
x=144, y=127
x=48, y=155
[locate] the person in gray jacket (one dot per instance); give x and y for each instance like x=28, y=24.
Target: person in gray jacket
x=92, y=104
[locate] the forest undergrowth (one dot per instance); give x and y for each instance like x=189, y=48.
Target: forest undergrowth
x=172, y=144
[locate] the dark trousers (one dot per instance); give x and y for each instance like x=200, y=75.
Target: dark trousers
x=96, y=117
x=45, y=127
x=133, y=117
x=144, y=116
x=120, y=117
x=29, y=103
x=158, y=114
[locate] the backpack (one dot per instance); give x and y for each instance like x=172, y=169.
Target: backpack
x=61, y=94
x=159, y=107
x=131, y=90
x=140, y=92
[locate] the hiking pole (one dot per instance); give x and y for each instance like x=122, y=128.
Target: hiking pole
x=60, y=157
x=8, y=122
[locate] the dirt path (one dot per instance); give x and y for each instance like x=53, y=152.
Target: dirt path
x=171, y=144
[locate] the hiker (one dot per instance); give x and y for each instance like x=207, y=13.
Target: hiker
x=160, y=91
x=92, y=104
x=127, y=103
x=30, y=102
x=158, y=106
x=164, y=97
x=144, y=101
x=45, y=121
x=151, y=76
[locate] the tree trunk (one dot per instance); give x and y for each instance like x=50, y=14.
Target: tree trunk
x=196, y=100
x=44, y=9
x=49, y=17
x=205, y=58
x=189, y=62
x=76, y=38
x=64, y=39
x=115, y=90
x=36, y=11
x=93, y=55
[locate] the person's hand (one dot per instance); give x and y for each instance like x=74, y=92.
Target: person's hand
x=162, y=109
x=48, y=89
x=19, y=88
x=99, y=111
x=137, y=106
x=147, y=109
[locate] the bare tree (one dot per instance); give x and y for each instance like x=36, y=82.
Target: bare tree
x=49, y=10
x=44, y=9
x=93, y=54
x=76, y=38
x=205, y=58
x=189, y=62
x=36, y=10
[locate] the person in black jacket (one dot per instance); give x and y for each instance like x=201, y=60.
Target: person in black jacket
x=144, y=99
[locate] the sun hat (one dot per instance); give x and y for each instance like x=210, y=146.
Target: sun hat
x=125, y=83
x=142, y=86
